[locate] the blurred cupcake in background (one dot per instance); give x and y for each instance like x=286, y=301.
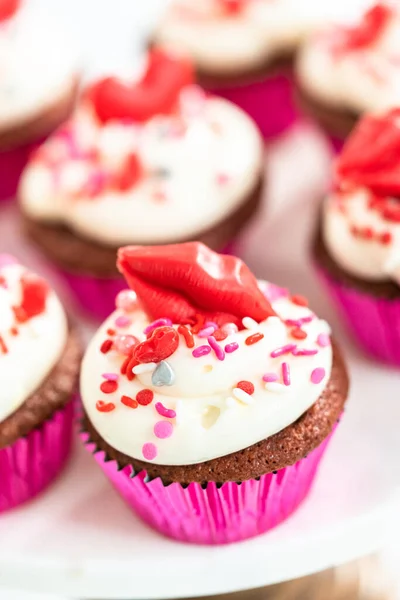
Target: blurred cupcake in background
x=38, y=84
x=243, y=50
x=345, y=71
x=39, y=366
x=209, y=398
x=357, y=248
x=155, y=161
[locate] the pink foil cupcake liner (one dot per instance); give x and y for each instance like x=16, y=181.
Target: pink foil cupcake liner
x=30, y=464
x=12, y=163
x=269, y=102
x=214, y=514
x=374, y=322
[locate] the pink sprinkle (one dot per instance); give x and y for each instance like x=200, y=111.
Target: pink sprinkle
x=149, y=451
x=122, y=321
x=283, y=350
x=211, y=324
x=157, y=323
x=165, y=412
x=222, y=178
x=304, y=352
x=95, y=183
x=286, y=373
x=317, y=375
x=219, y=353
x=323, y=340
x=201, y=351
x=274, y=292
x=163, y=429
x=126, y=300
x=110, y=376
x=229, y=348
x=6, y=260
x=270, y=377
x=205, y=333
x=299, y=322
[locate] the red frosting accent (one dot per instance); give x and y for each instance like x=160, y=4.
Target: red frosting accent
x=34, y=295
x=184, y=280
x=8, y=8
x=369, y=30
x=161, y=344
x=155, y=93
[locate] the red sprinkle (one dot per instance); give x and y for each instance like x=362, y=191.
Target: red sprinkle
x=20, y=314
x=144, y=397
x=109, y=386
x=246, y=386
x=299, y=300
x=130, y=402
x=110, y=331
x=386, y=238
x=106, y=346
x=14, y=331
x=298, y=333
x=200, y=320
x=253, y=339
x=187, y=335
x=219, y=335
x=104, y=406
x=3, y=346
x=131, y=363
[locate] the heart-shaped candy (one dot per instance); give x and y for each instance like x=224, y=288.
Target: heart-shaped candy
x=162, y=342
x=163, y=374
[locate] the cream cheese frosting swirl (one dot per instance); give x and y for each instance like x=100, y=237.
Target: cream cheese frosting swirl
x=177, y=394
x=33, y=333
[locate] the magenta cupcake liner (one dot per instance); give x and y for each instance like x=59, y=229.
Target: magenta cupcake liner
x=269, y=102
x=12, y=163
x=30, y=464
x=374, y=322
x=214, y=514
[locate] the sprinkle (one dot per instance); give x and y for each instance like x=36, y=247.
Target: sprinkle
x=286, y=373
x=122, y=321
x=298, y=333
x=14, y=331
x=110, y=376
x=106, y=346
x=144, y=368
x=317, y=375
x=109, y=386
x=3, y=346
x=129, y=402
x=157, y=323
x=149, y=451
x=249, y=323
x=242, y=396
x=211, y=324
x=145, y=397
x=283, y=350
x=124, y=344
x=165, y=412
x=201, y=351
x=110, y=331
x=126, y=300
x=104, y=407
x=229, y=348
x=299, y=300
x=299, y=322
x=270, y=377
x=219, y=353
x=386, y=238
x=230, y=328
x=163, y=429
x=187, y=335
x=219, y=335
x=199, y=322
x=205, y=333
x=223, y=178
x=253, y=339
x=304, y=352
x=132, y=362
x=274, y=292
x=323, y=340
x=246, y=386
x=273, y=386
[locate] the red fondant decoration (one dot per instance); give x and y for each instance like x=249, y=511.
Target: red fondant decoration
x=129, y=175
x=34, y=295
x=8, y=8
x=184, y=280
x=155, y=93
x=161, y=344
x=369, y=30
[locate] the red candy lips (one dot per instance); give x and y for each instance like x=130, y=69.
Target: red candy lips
x=156, y=93
x=183, y=281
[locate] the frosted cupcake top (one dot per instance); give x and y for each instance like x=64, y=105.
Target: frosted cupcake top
x=199, y=359
x=150, y=162
x=355, y=68
x=37, y=65
x=33, y=333
x=231, y=36
x=361, y=217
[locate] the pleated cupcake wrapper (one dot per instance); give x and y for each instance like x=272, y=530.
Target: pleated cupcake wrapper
x=30, y=464
x=12, y=163
x=269, y=102
x=213, y=514
x=374, y=322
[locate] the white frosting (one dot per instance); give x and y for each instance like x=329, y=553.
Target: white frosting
x=210, y=170
x=210, y=420
x=363, y=257
x=220, y=43
x=37, y=65
x=361, y=80
x=34, y=350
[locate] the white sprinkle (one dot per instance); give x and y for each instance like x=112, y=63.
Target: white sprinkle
x=249, y=323
x=144, y=368
x=273, y=386
x=230, y=402
x=242, y=396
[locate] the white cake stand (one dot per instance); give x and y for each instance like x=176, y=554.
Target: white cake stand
x=79, y=538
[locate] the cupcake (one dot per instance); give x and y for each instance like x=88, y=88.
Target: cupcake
x=243, y=50
x=39, y=367
x=153, y=162
x=357, y=242
x=348, y=70
x=209, y=397
x=38, y=81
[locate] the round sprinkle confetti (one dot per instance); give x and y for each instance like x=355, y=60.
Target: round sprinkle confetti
x=246, y=386
x=323, y=340
x=163, y=429
x=122, y=321
x=317, y=375
x=105, y=406
x=201, y=351
x=149, y=451
x=130, y=402
x=109, y=386
x=229, y=348
x=145, y=397
x=126, y=300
